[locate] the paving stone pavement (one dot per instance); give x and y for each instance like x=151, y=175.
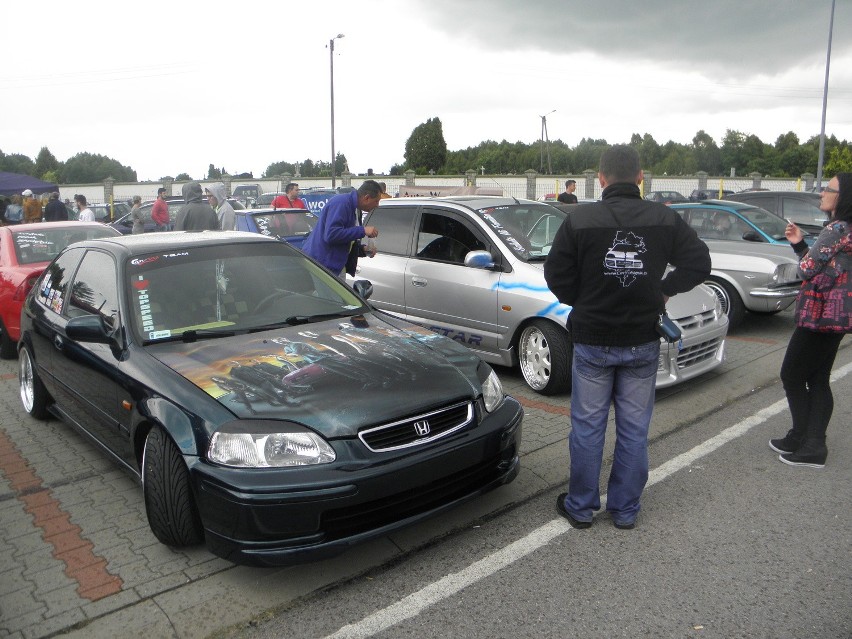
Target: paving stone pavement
x=77, y=555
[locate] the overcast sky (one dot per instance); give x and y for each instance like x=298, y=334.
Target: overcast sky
x=170, y=87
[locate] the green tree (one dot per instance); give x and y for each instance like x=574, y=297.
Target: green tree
x=733, y=155
x=839, y=161
x=45, y=162
x=587, y=154
x=183, y=177
x=649, y=151
x=213, y=173
x=86, y=168
x=279, y=168
x=426, y=148
x=708, y=156
x=17, y=163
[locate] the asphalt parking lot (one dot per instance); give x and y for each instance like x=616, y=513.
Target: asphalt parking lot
x=78, y=557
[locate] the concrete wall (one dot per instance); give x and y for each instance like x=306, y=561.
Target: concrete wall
x=530, y=185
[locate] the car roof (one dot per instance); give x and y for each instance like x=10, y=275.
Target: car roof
x=471, y=201
x=267, y=210
x=154, y=242
x=803, y=194
x=724, y=204
x=40, y=226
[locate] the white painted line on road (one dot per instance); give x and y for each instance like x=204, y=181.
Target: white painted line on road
x=448, y=586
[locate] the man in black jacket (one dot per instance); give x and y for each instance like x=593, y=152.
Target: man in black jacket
x=607, y=262
x=55, y=210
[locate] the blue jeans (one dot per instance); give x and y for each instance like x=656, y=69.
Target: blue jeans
x=602, y=375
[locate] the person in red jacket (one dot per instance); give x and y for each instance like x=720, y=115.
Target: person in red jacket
x=160, y=211
x=291, y=200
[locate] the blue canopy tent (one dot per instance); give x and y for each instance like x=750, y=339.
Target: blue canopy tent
x=11, y=183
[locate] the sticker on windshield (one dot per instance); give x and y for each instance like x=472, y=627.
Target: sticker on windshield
x=159, y=334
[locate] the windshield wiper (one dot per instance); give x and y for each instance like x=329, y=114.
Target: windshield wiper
x=296, y=320
x=191, y=336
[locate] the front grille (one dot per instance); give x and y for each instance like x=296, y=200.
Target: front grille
x=419, y=429
x=698, y=353
x=695, y=321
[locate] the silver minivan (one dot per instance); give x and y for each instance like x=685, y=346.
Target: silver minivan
x=472, y=268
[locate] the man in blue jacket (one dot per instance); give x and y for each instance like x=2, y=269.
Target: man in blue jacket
x=335, y=241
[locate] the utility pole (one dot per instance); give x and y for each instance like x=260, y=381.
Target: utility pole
x=331, y=75
x=545, y=141
x=820, y=162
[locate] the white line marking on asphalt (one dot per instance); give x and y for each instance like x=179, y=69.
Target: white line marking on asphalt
x=448, y=586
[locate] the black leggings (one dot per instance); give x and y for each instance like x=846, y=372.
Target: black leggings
x=805, y=375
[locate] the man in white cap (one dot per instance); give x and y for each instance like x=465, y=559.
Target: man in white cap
x=32, y=208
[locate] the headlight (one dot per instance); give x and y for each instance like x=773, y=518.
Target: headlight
x=492, y=392
x=290, y=446
x=717, y=308
x=785, y=274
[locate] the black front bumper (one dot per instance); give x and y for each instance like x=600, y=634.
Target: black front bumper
x=273, y=517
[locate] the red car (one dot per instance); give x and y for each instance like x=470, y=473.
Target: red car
x=25, y=251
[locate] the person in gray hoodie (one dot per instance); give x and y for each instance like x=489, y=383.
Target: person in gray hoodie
x=218, y=198
x=195, y=215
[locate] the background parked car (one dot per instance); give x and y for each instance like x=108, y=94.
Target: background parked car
x=708, y=194
x=289, y=225
x=760, y=278
x=263, y=405
x=125, y=223
x=265, y=200
x=471, y=268
x=103, y=212
x=799, y=207
x=736, y=221
x=25, y=251
x=666, y=197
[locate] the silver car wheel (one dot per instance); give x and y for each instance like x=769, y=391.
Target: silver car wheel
x=729, y=299
x=25, y=380
x=535, y=358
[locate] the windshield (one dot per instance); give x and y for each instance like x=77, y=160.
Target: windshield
x=526, y=229
x=767, y=222
x=205, y=291
x=43, y=245
x=285, y=224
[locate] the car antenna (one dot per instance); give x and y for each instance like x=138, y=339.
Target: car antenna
x=503, y=188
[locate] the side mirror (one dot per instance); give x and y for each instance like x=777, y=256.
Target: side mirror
x=752, y=236
x=479, y=259
x=88, y=328
x=364, y=288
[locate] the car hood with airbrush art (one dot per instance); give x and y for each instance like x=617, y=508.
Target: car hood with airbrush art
x=333, y=376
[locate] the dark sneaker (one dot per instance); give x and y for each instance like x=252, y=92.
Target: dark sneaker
x=560, y=508
x=811, y=454
x=786, y=445
x=624, y=525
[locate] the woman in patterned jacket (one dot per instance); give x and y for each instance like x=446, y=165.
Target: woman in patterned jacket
x=823, y=317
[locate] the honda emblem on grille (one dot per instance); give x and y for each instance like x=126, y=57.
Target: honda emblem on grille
x=421, y=428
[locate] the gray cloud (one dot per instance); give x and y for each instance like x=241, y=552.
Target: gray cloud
x=723, y=38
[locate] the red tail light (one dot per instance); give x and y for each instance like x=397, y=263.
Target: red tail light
x=22, y=290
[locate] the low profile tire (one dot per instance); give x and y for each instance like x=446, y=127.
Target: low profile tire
x=545, y=352
x=7, y=346
x=34, y=395
x=732, y=304
x=169, y=502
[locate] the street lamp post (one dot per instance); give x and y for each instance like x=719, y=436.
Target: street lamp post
x=331, y=66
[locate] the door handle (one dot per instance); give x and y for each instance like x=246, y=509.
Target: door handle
x=419, y=281
x=58, y=342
